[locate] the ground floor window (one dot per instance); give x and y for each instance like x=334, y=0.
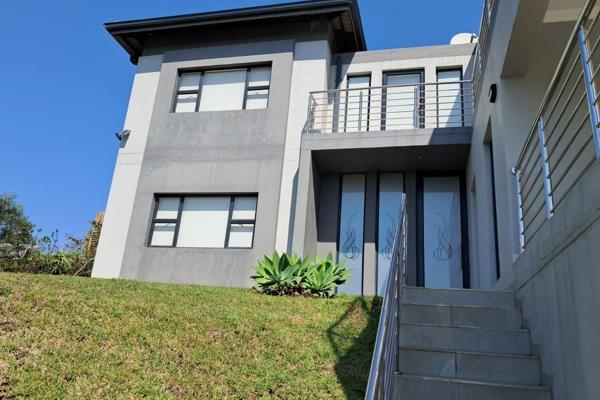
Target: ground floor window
x=203, y=221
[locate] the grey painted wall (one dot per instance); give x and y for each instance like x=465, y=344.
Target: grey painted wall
x=558, y=281
x=320, y=164
x=211, y=152
x=557, y=277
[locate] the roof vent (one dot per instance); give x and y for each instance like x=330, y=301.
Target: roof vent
x=463, y=38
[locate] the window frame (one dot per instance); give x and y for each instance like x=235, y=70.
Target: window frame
x=177, y=221
x=198, y=92
x=385, y=75
x=348, y=78
x=462, y=93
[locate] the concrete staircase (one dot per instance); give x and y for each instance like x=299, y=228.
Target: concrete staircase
x=465, y=345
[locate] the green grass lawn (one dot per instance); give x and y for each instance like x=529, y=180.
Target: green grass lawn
x=82, y=338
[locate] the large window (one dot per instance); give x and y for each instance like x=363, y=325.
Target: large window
x=204, y=221
x=221, y=90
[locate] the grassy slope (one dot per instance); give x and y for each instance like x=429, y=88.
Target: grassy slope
x=65, y=337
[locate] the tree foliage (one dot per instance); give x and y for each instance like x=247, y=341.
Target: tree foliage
x=22, y=249
x=16, y=231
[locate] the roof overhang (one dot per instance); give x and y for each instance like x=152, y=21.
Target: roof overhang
x=344, y=15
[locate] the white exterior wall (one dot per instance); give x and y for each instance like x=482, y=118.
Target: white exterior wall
x=309, y=73
x=113, y=237
x=430, y=65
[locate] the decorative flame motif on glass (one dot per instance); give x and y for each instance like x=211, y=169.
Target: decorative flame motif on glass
x=444, y=251
x=390, y=233
x=349, y=247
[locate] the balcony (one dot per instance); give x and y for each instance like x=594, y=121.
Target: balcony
x=391, y=108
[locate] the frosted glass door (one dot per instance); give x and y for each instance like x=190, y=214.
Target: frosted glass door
x=391, y=187
x=350, y=240
x=449, y=99
x=402, y=103
x=442, y=242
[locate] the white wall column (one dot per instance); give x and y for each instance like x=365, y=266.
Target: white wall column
x=309, y=73
x=111, y=246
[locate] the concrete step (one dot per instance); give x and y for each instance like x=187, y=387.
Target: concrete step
x=460, y=338
x=416, y=387
x=483, y=317
x=459, y=297
x=485, y=367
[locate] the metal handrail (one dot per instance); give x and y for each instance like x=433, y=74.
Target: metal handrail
x=421, y=105
x=481, y=51
x=385, y=362
x=555, y=135
x=389, y=86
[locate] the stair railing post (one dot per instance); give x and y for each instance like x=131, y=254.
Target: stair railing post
x=360, y=107
x=545, y=168
x=589, y=87
x=518, y=174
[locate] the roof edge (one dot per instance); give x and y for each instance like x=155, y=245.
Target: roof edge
x=121, y=29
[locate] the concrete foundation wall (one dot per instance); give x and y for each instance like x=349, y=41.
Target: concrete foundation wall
x=557, y=281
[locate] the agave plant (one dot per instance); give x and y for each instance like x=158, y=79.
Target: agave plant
x=281, y=274
x=325, y=276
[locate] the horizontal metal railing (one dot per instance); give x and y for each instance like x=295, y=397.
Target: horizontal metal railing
x=394, y=107
x=482, y=45
x=385, y=364
x=564, y=140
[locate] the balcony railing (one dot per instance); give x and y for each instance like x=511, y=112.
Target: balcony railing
x=386, y=108
x=564, y=140
x=482, y=45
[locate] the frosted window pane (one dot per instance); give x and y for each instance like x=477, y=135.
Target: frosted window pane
x=257, y=99
x=259, y=77
x=223, y=90
x=203, y=222
x=400, y=101
x=189, y=81
x=163, y=234
x=449, y=99
x=391, y=187
x=186, y=103
x=351, y=230
x=168, y=207
x=356, y=120
x=244, y=208
x=240, y=235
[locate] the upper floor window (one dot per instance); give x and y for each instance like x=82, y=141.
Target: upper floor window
x=221, y=90
x=221, y=221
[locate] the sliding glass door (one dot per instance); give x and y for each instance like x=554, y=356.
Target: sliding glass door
x=351, y=230
x=402, y=101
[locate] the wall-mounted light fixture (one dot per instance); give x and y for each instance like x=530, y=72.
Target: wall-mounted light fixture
x=493, y=93
x=123, y=134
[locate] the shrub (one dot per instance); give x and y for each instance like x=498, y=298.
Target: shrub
x=281, y=274
x=325, y=276
x=289, y=274
x=45, y=256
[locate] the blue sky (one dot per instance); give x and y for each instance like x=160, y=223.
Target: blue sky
x=64, y=88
